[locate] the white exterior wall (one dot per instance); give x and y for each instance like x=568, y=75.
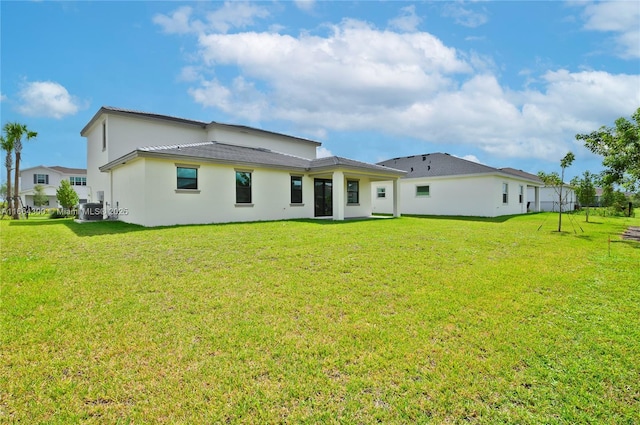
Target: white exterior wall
x=125, y=134
x=479, y=196
x=159, y=204
x=382, y=205
x=236, y=136
x=96, y=157
x=363, y=208
x=549, y=199
x=130, y=194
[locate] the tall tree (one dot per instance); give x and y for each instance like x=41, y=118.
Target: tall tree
x=585, y=191
x=620, y=148
x=7, y=145
x=17, y=131
x=557, y=182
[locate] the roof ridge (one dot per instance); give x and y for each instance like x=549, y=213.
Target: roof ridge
x=154, y=114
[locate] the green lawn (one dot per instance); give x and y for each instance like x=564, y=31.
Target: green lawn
x=410, y=320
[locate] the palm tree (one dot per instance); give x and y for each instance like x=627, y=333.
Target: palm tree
x=7, y=145
x=17, y=131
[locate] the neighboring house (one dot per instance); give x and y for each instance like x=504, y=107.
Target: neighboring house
x=155, y=170
x=441, y=184
x=550, y=198
x=49, y=178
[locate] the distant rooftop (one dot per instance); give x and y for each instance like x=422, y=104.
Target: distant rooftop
x=442, y=165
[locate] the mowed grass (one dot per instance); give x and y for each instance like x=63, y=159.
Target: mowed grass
x=410, y=320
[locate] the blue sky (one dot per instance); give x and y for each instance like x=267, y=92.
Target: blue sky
x=508, y=84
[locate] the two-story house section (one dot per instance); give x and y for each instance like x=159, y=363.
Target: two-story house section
x=49, y=177
x=155, y=170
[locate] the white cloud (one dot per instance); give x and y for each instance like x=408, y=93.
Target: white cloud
x=189, y=74
x=2, y=97
x=407, y=21
x=619, y=17
x=409, y=85
x=230, y=15
x=463, y=16
x=46, y=99
x=471, y=158
x=323, y=152
x=306, y=5
x=178, y=22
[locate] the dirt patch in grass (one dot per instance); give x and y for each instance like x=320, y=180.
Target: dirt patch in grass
x=632, y=233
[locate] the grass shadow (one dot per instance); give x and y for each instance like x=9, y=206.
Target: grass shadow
x=499, y=219
x=628, y=242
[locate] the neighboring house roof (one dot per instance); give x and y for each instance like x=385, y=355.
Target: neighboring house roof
x=201, y=124
x=66, y=170
x=232, y=154
x=521, y=173
x=444, y=165
x=59, y=169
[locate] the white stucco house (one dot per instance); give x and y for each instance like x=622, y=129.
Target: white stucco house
x=49, y=177
x=155, y=170
x=441, y=184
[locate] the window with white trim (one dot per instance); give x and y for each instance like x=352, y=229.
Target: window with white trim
x=521, y=194
x=41, y=179
x=505, y=193
x=381, y=192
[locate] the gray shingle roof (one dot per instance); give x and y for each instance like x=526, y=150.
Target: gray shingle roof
x=443, y=164
x=243, y=155
x=436, y=165
x=66, y=170
x=231, y=153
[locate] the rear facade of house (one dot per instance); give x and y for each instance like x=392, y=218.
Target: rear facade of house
x=155, y=170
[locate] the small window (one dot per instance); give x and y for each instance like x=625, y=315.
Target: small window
x=422, y=190
x=505, y=193
x=382, y=192
x=243, y=187
x=41, y=179
x=187, y=178
x=104, y=135
x=352, y=191
x=521, y=195
x=296, y=189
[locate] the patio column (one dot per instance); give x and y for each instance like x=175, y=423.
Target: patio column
x=338, y=191
x=536, y=192
x=396, y=197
